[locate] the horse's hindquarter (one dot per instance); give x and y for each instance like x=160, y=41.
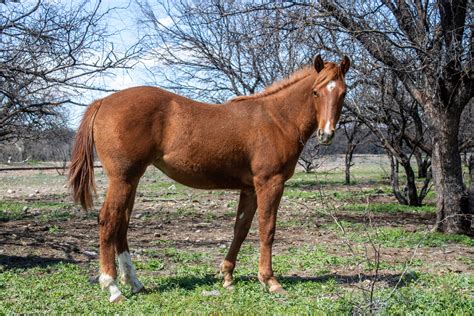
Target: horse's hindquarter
x=126, y=128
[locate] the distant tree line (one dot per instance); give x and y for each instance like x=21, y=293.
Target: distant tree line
x=53, y=144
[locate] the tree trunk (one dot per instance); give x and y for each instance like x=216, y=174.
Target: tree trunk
x=422, y=164
x=349, y=155
x=409, y=195
x=412, y=194
x=453, y=202
x=21, y=149
x=394, y=180
x=471, y=191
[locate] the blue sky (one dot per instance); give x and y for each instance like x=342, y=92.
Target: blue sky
x=121, y=21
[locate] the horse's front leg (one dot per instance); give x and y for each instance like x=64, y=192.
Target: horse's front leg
x=269, y=192
x=243, y=221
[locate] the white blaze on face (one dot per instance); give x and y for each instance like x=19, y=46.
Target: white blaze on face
x=331, y=85
x=327, y=128
x=242, y=216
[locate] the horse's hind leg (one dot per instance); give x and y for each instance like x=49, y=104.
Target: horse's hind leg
x=126, y=269
x=243, y=221
x=112, y=214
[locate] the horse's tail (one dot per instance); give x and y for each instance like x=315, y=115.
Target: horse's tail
x=81, y=170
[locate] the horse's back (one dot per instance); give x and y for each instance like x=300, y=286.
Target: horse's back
x=198, y=144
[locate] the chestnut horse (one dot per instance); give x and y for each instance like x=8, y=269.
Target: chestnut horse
x=250, y=143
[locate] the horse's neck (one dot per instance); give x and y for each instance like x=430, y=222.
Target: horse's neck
x=296, y=108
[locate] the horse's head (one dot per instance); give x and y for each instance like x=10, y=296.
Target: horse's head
x=329, y=91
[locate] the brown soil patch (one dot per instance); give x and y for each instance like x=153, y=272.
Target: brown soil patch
x=206, y=227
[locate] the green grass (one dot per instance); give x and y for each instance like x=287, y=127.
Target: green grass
x=319, y=273
x=388, y=208
x=11, y=210
x=312, y=260
x=65, y=288
x=354, y=195
x=448, y=294
x=48, y=210
x=185, y=211
x=308, y=186
x=39, y=180
x=361, y=174
x=301, y=195
x=398, y=237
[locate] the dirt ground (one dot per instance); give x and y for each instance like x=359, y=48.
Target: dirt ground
x=200, y=221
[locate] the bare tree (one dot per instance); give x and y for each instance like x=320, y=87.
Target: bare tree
x=428, y=45
x=50, y=53
x=466, y=133
x=215, y=54
x=217, y=49
x=383, y=105
x=355, y=135
x=308, y=158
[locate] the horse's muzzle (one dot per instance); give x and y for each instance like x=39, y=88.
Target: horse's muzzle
x=325, y=138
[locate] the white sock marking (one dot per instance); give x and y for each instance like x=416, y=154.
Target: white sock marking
x=331, y=85
x=127, y=271
x=108, y=283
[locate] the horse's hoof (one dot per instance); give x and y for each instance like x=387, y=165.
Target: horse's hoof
x=139, y=290
x=229, y=285
x=117, y=299
x=277, y=289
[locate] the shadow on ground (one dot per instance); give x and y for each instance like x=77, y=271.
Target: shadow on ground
x=17, y=262
x=191, y=282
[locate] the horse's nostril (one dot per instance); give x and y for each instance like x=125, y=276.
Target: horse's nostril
x=325, y=138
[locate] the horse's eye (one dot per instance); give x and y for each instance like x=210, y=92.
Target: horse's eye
x=315, y=93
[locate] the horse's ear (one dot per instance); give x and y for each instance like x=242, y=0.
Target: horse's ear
x=345, y=64
x=318, y=63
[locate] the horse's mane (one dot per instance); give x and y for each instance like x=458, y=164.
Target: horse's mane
x=329, y=72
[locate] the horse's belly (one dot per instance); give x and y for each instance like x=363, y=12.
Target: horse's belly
x=202, y=176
